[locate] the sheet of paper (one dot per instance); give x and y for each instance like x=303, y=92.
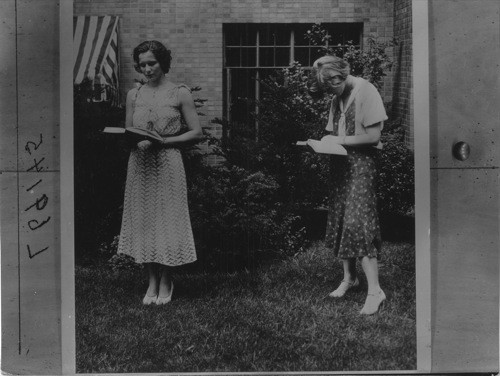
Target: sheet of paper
x=324, y=146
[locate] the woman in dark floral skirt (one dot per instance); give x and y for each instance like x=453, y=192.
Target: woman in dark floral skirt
x=356, y=119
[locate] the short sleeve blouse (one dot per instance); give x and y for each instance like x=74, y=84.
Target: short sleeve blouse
x=368, y=106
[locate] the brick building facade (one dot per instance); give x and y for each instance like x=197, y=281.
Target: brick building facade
x=193, y=30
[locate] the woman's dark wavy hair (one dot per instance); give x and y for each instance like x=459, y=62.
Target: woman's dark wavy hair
x=160, y=52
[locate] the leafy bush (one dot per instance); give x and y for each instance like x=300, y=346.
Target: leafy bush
x=237, y=217
x=286, y=114
x=396, y=191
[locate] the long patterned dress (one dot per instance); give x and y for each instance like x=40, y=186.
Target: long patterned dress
x=156, y=226
x=353, y=225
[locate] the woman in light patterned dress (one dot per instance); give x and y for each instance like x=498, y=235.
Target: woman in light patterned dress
x=156, y=227
x=355, y=120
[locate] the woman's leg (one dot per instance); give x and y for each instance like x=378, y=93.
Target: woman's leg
x=375, y=294
x=152, y=292
x=350, y=278
x=370, y=267
x=166, y=285
x=349, y=269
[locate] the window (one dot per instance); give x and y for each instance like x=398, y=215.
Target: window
x=254, y=51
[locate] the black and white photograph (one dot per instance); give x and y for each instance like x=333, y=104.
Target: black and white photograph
x=249, y=187
x=244, y=186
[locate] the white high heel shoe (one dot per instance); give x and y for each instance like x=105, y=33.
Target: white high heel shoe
x=373, y=303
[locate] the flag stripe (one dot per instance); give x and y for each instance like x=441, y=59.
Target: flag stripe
x=87, y=47
x=95, y=54
x=97, y=45
x=107, y=35
x=79, y=39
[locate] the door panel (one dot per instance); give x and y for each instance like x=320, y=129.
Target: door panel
x=465, y=270
x=465, y=40
x=464, y=106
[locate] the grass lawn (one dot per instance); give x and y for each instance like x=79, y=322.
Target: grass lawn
x=277, y=319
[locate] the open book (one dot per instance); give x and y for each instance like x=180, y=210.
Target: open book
x=152, y=135
x=325, y=146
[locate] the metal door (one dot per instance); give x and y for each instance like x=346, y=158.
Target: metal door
x=464, y=107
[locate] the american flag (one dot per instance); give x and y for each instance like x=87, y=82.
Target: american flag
x=95, y=54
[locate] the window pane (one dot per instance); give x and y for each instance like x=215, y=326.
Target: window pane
x=231, y=35
x=232, y=57
x=266, y=36
x=282, y=56
x=274, y=35
x=302, y=56
x=248, y=35
x=274, y=57
x=282, y=35
x=248, y=57
x=240, y=34
x=266, y=57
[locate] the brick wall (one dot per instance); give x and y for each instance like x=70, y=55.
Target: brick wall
x=192, y=29
x=402, y=70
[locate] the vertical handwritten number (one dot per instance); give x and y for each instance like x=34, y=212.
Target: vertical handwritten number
x=31, y=255
x=36, y=165
x=35, y=145
x=34, y=185
x=42, y=201
x=37, y=224
x=39, y=203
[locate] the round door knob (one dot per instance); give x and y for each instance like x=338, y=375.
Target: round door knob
x=461, y=150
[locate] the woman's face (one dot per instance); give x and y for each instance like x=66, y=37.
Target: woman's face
x=333, y=81
x=149, y=66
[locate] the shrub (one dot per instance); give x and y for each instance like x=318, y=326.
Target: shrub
x=396, y=191
x=237, y=217
x=121, y=262
x=286, y=114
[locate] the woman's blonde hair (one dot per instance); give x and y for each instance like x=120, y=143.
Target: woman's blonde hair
x=320, y=67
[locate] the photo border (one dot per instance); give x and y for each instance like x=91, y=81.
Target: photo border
x=68, y=330
x=420, y=56
x=420, y=64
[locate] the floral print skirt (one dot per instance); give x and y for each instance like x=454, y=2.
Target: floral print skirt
x=353, y=228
